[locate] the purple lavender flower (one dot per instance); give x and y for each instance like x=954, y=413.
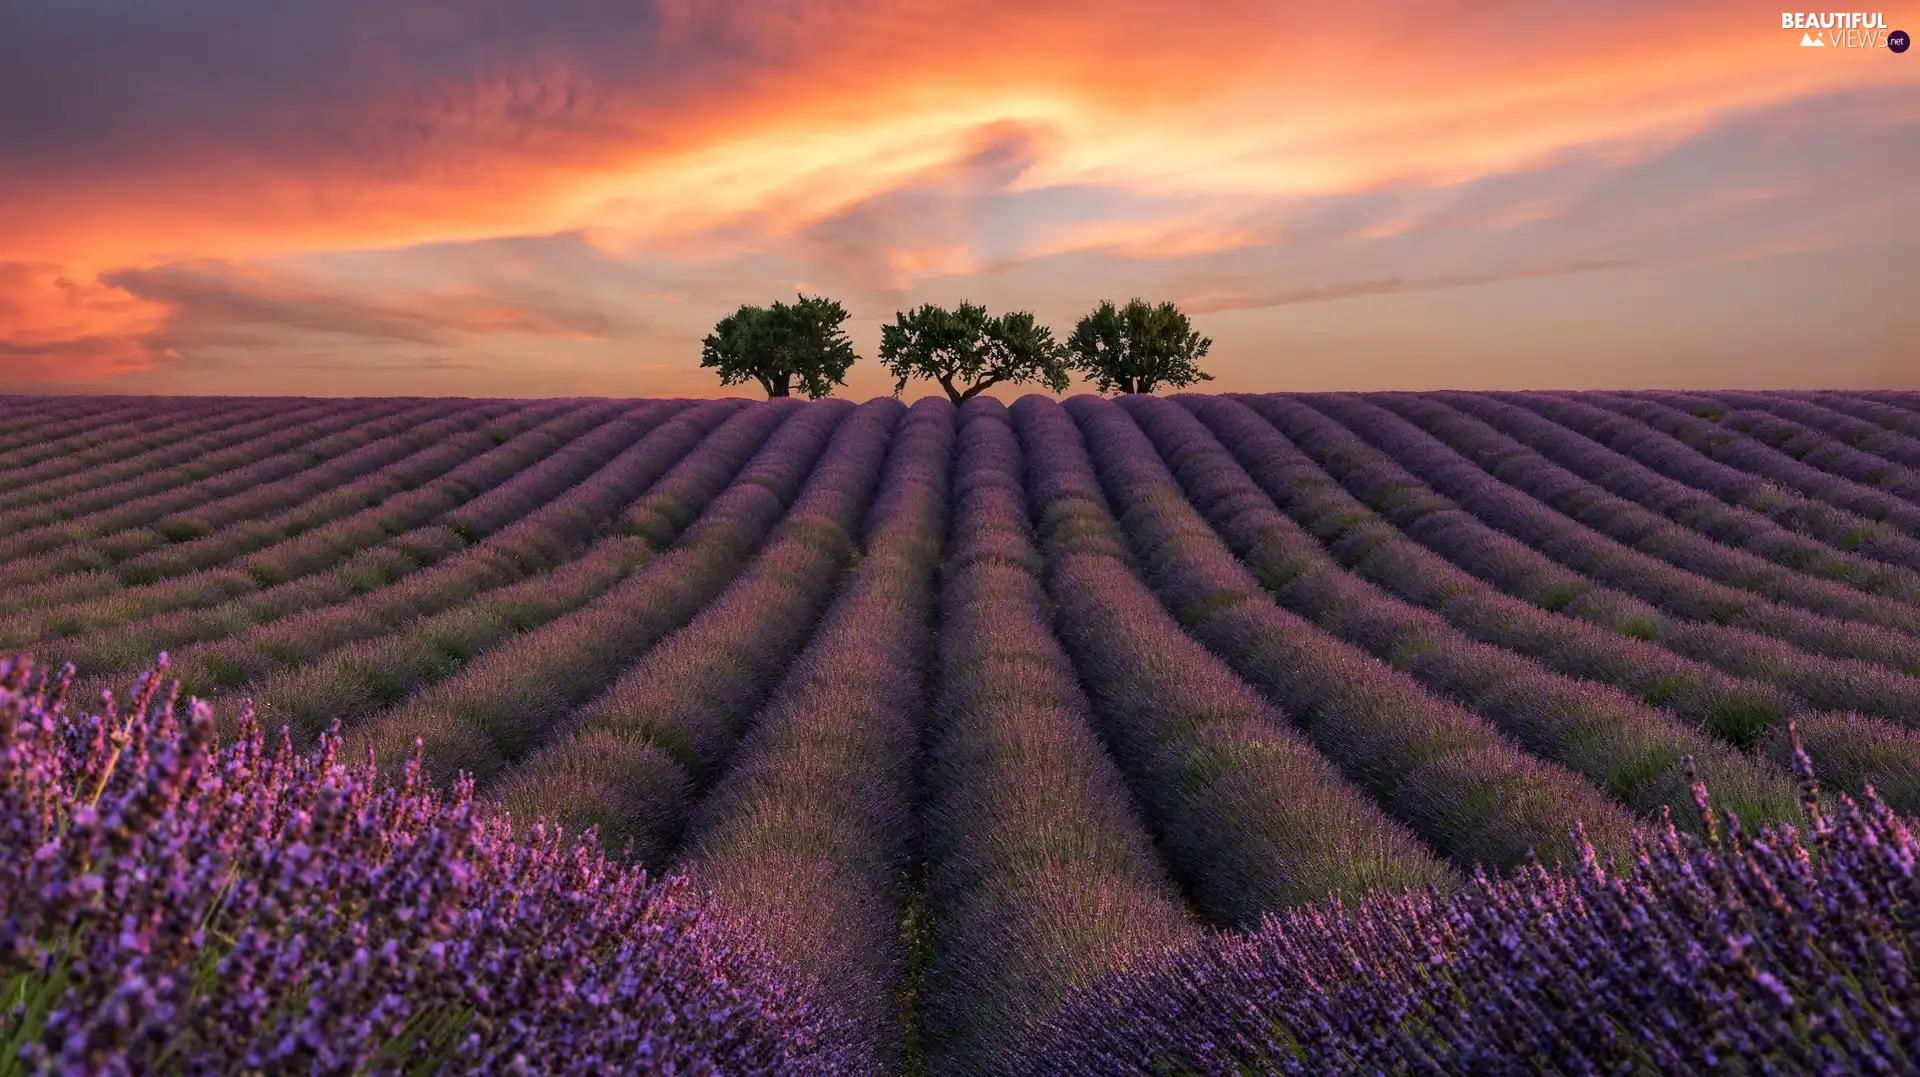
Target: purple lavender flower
x=1776, y=952
x=168, y=903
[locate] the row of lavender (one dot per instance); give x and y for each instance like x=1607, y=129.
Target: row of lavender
x=1226, y=790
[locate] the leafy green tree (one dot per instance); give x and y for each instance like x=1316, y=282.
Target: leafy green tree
x=780, y=345
x=968, y=352
x=1138, y=348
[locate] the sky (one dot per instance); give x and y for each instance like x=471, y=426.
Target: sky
x=560, y=197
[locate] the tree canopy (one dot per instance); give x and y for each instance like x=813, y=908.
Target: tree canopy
x=782, y=345
x=1138, y=348
x=968, y=352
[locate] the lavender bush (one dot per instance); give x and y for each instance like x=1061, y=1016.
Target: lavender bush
x=1907, y=398
x=425, y=509
x=1850, y=749
x=45, y=488
x=363, y=678
x=1774, y=952
x=1819, y=449
x=1819, y=446
x=964, y=806
x=247, y=634
x=52, y=441
x=1706, y=582
x=169, y=904
x=377, y=672
x=1252, y=819
x=580, y=460
x=96, y=530
x=1734, y=680
x=670, y=508
x=326, y=472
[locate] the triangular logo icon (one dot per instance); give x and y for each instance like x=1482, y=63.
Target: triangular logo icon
x=1808, y=41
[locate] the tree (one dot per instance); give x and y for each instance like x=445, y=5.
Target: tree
x=968, y=352
x=1138, y=347
x=777, y=345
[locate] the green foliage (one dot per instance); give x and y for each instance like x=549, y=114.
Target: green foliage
x=780, y=345
x=1138, y=348
x=968, y=352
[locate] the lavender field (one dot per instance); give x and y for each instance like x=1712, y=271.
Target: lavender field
x=1028, y=739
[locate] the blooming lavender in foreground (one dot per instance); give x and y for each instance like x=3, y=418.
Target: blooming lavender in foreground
x=1743, y=954
x=169, y=904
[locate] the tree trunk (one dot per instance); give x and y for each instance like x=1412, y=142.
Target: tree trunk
x=778, y=388
x=952, y=393
x=972, y=390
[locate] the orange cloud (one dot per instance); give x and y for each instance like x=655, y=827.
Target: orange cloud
x=55, y=328
x=877, y=145
x=407, y=122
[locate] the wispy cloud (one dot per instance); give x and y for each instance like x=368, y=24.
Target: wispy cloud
x=1211, y=304
x=207, y=300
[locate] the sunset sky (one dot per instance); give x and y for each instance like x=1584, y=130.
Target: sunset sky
x=559, y=197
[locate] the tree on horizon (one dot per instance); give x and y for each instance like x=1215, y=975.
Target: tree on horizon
x=1138, y=347
x=967, y=352
x=780, y=345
